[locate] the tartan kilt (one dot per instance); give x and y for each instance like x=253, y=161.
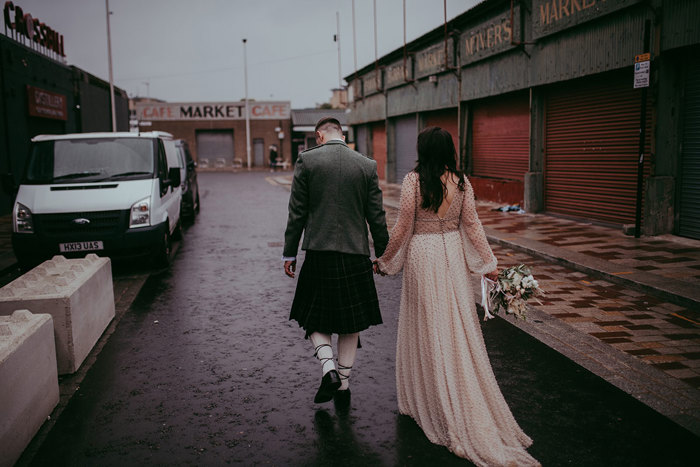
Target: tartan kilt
x=335, y=294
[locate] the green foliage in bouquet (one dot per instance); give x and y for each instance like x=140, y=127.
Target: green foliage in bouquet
x=514, y=287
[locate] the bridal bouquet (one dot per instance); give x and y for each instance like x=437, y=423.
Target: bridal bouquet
x=514, y=286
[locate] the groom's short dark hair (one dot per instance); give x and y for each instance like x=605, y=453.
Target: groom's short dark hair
x=326, y=123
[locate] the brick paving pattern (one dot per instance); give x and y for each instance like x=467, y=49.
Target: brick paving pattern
x=663, y=257
x=629, y=321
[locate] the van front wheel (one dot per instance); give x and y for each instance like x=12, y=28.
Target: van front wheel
x=164, y=251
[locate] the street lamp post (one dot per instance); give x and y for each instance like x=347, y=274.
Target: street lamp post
x=247, y=110
x=111, y=78
x=280, y=136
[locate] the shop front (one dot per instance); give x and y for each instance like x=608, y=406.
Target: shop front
x=216, y=131
x=689, y=193
x=500, y=147
x=544, y=101
x=592, y=129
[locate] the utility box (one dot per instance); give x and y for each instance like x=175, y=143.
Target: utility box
x=77, y=293
x=28, y=380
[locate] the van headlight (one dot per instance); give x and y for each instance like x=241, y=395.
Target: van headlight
x=140, y=214
x=22, y=219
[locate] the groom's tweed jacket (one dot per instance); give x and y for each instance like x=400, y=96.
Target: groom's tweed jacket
x=335, y=194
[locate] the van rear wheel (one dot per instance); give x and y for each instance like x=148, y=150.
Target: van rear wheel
x=164, y=251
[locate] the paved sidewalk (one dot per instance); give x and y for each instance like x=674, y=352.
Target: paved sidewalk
x=626, y=309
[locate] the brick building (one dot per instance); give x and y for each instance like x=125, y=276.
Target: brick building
x=216, y=131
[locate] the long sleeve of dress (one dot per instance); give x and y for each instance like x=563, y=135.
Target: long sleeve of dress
x=480, y=258
x=376, y=217
x=391, y=262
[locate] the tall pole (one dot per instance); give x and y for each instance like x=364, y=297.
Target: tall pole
x=642, y=141
x=247, y=110
x=111, y=77
x=376, y=54
x=354, y=43
x=337, y=36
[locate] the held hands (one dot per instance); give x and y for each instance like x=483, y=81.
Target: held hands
x=290, y=267
x=375, y=267
x=492, y=276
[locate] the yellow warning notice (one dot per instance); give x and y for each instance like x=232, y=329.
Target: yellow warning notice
x=642, y=58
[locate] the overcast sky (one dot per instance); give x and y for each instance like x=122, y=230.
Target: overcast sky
x=192, y=50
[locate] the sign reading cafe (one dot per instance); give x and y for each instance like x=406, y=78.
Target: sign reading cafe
x=212, y=111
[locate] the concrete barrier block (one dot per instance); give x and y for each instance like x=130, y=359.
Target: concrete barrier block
x=28, y=380
x=77, y=293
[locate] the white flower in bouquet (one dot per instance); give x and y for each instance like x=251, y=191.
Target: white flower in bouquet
x=510, y=292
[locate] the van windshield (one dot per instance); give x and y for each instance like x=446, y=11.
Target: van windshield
x=90, y=160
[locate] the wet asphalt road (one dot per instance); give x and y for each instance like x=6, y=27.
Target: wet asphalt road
x=206, y=369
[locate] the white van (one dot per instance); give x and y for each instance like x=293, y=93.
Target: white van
x=113, y=194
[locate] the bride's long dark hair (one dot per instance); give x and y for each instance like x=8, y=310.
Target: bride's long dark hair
x=436, y=154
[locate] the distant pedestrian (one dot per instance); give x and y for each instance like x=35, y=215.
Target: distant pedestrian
x=335, y=195
x=443, y=374
x=273, y=157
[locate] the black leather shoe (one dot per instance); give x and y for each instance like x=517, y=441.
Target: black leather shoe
x=341, y=400
x=329, y=385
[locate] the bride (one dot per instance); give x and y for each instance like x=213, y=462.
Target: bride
x=443, y=374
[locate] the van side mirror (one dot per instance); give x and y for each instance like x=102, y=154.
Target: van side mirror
x=174, y=176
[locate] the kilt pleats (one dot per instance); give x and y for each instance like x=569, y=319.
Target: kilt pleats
x=335, y=294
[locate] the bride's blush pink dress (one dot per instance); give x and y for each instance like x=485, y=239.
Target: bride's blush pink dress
x=443, y=374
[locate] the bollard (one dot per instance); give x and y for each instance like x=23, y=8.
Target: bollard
x=28, y=380
x=77, y=293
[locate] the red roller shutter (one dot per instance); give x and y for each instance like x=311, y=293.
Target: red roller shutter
x=591, y=148
x=379, y=147
x=501, y=137
x=445, y=119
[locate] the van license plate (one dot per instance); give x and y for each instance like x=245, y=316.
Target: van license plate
x=80, y=246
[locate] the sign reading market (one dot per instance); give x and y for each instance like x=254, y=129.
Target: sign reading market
x=213, y=111
x=24, y=24
x=550, y=16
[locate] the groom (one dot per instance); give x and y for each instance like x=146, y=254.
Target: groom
x=335, y=195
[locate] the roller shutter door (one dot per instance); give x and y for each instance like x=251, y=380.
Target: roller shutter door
x=689, y=216
x=406, y=155
x=591, y=148
x=379, y=148
x=215, y=148
x=361, y=139
x=501, y=138
x=259, y=152
x=447, y=120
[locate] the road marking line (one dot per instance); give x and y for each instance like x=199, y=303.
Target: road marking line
x=623, y=272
